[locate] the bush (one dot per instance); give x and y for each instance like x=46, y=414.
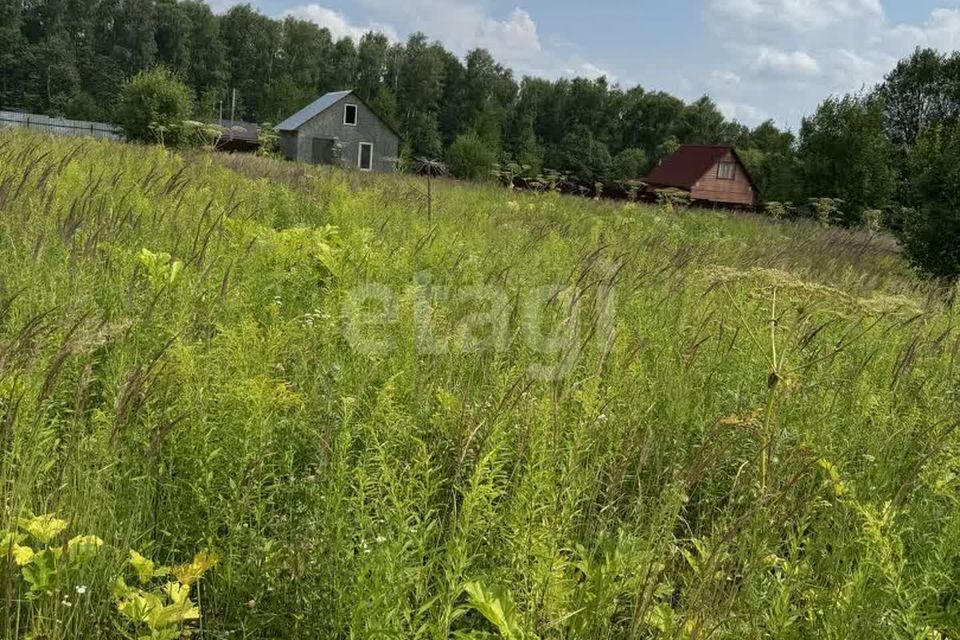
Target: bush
x=585, y=157
x=468, y=158
x=931, y=230
x=153, y=104
x=629, y=164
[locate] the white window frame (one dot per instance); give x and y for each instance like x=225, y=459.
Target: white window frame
x=733, y=173
x=356, y=114
x=360, y=156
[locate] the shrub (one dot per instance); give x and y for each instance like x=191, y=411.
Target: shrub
x=469, y=158
x=825, y=210
x=152, y=104
x=629, y=164
x=585, y=157
x=931, y=231
x=779, y=210
x=671, y=198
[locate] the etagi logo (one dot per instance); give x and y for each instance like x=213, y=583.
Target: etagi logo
x=553, y=323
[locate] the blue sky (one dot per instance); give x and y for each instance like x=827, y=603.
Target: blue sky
x=757, y=58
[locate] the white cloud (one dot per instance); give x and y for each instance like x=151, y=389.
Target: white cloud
x=744, y=113
x=724, y=78
x=790, y=54
x=337, y=23
x=940, y=31
x=785, y=63
x=852, y=71
x=513, y=39
x=795, y=15
x=463, y=25
x=589, y=70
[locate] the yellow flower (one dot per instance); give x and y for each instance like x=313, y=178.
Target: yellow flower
x=44, y=528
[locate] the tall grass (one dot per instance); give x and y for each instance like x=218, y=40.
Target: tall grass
x=746, y=430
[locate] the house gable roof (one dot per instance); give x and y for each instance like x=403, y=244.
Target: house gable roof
x=312, y=110
x=684, y=168
x=320, y=105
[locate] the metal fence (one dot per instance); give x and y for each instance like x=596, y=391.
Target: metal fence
x=60, y=126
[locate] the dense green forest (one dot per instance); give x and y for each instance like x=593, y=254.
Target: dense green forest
x=880, y=156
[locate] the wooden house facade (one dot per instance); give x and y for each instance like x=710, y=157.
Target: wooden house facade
x=709, y=173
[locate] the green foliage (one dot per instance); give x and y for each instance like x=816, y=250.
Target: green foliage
x=921, y=91
x=845, y=155
x=496, y=605
x=152, y=105
x=826, y=210
x=47, y=565
x=610, y=420
x=269, y=141
x=671, y=198
x=779, y=210
x=931, y=231
x=629, y=164
x=668, y=147
x=585, y=157
x=469, y=158
x=161, y=611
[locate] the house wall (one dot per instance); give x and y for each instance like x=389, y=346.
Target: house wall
x=736, y=191
x=329, y=124
x=288, y=144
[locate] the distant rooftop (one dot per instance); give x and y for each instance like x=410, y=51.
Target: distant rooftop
x=686, y=166
x=312, y=110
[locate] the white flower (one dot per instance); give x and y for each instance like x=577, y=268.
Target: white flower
x=81, y=589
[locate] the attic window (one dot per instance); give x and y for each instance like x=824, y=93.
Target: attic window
x=727, y=170
x=350, y=115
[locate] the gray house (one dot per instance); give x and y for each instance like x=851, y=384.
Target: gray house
x=339, y=129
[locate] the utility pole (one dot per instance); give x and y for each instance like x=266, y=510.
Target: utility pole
x=233, y=105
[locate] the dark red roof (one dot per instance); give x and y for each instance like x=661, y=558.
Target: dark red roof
x=688, y=164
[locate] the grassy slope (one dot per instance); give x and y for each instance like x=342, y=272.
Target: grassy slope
x=652, y=478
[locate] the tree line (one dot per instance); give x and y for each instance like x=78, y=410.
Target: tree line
x=885, y=156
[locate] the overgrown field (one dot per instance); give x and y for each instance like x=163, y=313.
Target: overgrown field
x=526, y=416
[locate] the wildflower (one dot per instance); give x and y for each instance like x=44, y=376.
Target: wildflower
x=81, y=589
x=381, y=539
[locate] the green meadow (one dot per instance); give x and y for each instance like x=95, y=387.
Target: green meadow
x=242, y=398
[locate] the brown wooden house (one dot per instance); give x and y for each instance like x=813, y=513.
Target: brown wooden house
x=709, y=173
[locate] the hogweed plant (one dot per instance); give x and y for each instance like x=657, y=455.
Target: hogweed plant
x=160, y=608
x=47, y=567
x=51, y=567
